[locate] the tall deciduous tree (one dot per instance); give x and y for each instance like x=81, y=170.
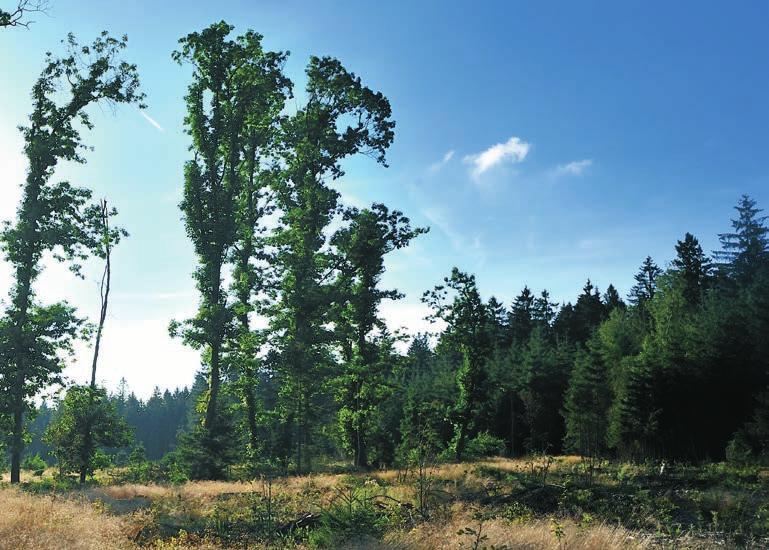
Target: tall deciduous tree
x=235, y=87
x=268, y=90
x=52, y=216
x=342, y=117
x=362, y=245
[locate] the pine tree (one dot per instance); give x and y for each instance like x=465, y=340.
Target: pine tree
x=612, y=300
x=543, y=311
x=586, y=405
x=745, y=250
x=693, y=267
x=633, y=423
x=589, y=312
x=645, y=283
x=541, y=380
x=520, y=321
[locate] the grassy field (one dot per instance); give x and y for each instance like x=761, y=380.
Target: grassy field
x=542, y=502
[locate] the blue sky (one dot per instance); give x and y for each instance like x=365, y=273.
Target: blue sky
x=542, y=142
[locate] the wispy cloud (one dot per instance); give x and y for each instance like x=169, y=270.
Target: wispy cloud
x=574, y=168
x=434, y=167
x=514, y=150
x=152, y=121
x=460, y=242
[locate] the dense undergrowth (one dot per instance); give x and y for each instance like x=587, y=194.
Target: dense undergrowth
x=541, y=502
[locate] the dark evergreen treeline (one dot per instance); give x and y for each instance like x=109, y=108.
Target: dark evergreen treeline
x=155, y=422
x=677, y=370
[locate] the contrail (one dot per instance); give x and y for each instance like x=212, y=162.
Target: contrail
x=151, y=120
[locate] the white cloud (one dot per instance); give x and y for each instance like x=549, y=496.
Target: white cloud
x=513, y=150
x=574, y=168
x=434, y=167
x=152, y=121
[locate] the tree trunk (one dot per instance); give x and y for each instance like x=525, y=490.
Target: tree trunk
x=214, y=378
x=462, y=439
x=251, y=413
x=512, y=424
x=17, y=445
x=213, y=384
x=104, y=295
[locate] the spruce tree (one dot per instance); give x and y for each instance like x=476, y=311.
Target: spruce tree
x=586, y=405
x=745, y=251
x=645, y=283
x=693, y=267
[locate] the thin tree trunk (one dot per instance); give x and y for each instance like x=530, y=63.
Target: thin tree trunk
x=512, y=424
x=104, y=289
x=214, y=380
x=104, y=295
x=462, y=439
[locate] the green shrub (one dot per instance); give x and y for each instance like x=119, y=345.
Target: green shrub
x=738, y=450
x=34, y=463
x=484, y=444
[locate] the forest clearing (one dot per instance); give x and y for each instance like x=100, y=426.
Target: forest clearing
x=560, y=340
x=537, y=503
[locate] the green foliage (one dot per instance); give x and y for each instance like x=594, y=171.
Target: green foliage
x=85, y=407
x=342, y=117
x=34, y=463
x=54, y=217
x=484, y=444
x=738, y=451
x=586, y=405
x=457, y=302
x=368, y=359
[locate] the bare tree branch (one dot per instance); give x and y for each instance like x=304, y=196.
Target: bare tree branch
x=19, y=17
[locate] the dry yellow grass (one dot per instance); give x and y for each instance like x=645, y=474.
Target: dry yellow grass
x=41, y=522
x=32, y=522
x=209, y=490
x=535, y=535
x=29, y=521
